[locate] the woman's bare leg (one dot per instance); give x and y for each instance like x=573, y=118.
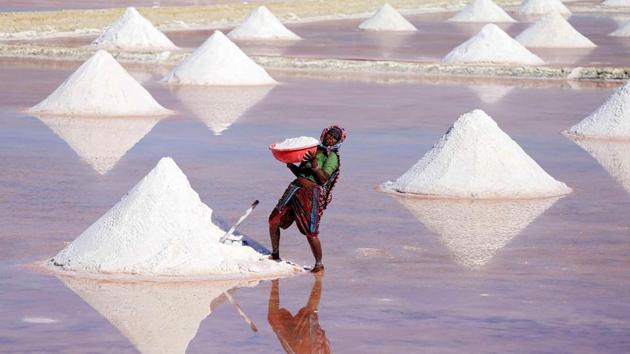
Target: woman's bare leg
x=274, y=235
x=316, y=248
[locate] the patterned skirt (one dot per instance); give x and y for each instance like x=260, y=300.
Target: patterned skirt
x=302, y=205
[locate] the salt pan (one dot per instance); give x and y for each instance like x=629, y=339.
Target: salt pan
x=295, y=143
x=387, y=19
x=542, y=7
x=553, y=31
x=219, y=62
x=482, y=11
x=476, y=159
x=262, y=24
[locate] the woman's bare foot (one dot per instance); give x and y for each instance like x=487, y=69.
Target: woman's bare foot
x=319, y=267
x=274, y=256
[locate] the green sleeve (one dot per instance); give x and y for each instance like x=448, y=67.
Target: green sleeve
x=332, y=164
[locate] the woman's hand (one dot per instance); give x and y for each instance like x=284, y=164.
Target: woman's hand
x=311, y=158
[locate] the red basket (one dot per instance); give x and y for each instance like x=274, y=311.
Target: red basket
x=292, y=155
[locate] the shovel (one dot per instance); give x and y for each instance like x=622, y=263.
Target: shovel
x=228, y=235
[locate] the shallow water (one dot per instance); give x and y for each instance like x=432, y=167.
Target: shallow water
x=554, y=279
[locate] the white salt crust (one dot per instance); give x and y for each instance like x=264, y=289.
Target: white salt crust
x=219, y=62
x=476, y=159
x=387, y=19
x=262, y=24
x=482, y=11
x=100, y=86
x=542, y=7
x=294, y=143
x=553, y=31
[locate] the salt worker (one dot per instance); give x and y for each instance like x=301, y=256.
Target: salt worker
x=306, y=198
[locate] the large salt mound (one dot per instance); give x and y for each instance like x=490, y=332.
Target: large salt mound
x=616, y=3
x=610, y=121
x=100, y=86
x=262, y=24
x=132, y=31
x=161, y=228
x=553, y=31
x=613, y=156
x=542, y=7
x=474, y=231
x=623, y=31
x=482, y=11
x=494, y=46
x=476, y=159
x=218, y=61
x=387, y=19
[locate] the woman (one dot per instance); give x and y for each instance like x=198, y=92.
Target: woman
x=308, y=195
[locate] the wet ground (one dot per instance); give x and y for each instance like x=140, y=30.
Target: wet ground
x=403, y=275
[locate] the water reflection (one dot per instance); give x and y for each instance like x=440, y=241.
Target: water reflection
x=475, y=230
x=300, y=333
x=613, y=156
x=100, y=141
x=491, y=93
x=388, y=43
x=155, y=317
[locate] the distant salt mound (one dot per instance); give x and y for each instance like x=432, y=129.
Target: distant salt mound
x=161, y=228
x=553, y=31
x=387, y=19
x=476, y=159
x=610, y=121
x=219, y=62
x=616, y=3
x=542, y=7
x=100, y=86
x=623, y=31
x=482, y=11
x=493, y=46
x=132, y=31
x=262, y=24
x=613, y=156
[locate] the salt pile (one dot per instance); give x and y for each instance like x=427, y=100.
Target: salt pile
x=474, y=231
x=156, y=317
x=101, y=142
x=162, y=228
x=542, y=7
x=613, y=156
x=100, y=86
x=476, y=159
x=132, y=31
x=610, y=121
x=299, y=142
x=387, y=19
x=218, y=61
x=482, y=11
x=553, y=31
x=494, y=46
x=616, y=3
x=623, y=31
x=262, y=24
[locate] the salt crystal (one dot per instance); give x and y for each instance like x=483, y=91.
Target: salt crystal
x=296, y=143
x=387, y=19
x=553, y=31
x=262, y=24
x=482, y=11
x=542, y=7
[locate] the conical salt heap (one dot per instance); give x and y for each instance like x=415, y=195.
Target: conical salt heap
x=553, y=31
x=542, y=7
x=100, y=86
x=482, y=11
x=101, y=142
x=476, y=159
x=610, y=121
x=474, y=231
x=387, y=19
x=492, y=46
x=262, y=24
x=132, y=31
x=156, y=317
x=218, y=61
x=162, y=228
x=613, y=156
x=623, y=31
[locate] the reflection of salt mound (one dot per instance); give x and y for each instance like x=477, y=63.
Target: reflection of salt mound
x=155, y=317
x=614, y=156
x=100, y=86
x=553, y=31
x=610, y=121
x=476, y=159
x=492, y=45
x=623, y=31
x=387, y=19
x=491, y=93
x=616, y=3
x=101, y=142
x=220, y=107
x=542, y=7
x=262, y=24
x=482, y=11
x=132, y=31
x=161, y=227
x=218, y=61
x=475, y=230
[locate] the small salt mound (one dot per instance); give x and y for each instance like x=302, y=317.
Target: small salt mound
x=610, y=121
x=387, y=19
x=132, y=31
x=623, y=31
x=294, y=143
x=218, y=61
x=553, y=31
x=476, y=159
x=616, y=3
x=492, y=45
x=162, y=228
x=542, y=7
x=482, y=11
x=262, y=24
x=613, y=156
x=100, y=86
